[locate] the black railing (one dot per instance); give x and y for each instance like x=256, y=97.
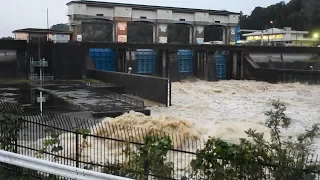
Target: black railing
x=287, y=76
x=103, y=146
x=148, y=87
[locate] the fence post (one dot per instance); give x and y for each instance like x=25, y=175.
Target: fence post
x=16, y=139
x=77, y=149
x=170, y=90
x=146, y=169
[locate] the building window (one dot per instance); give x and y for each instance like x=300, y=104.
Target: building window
x=257, y=37
x=100, y=15
x=249, y=38
x=279, y=36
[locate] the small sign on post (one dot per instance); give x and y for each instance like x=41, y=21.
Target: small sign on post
x=41, y=99
x=79, y=37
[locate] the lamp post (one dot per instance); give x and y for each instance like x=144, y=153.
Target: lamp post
x=316, y=37
x=272, y=25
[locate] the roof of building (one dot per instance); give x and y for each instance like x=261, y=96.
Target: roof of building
x=42, y=31
x=151, y=7
x=275, y=31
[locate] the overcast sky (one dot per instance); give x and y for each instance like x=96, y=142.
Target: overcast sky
x=18, y=14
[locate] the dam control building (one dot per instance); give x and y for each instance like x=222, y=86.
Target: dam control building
x=118, y=15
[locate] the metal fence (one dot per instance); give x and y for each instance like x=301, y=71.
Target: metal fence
x=107, y=147
x=152, y=88
x=103, y=149
x=287, y=76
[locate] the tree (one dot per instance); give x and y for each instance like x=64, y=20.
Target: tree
x=298, y=14
x=256, y=158
x=7, y=38
x=60, y=27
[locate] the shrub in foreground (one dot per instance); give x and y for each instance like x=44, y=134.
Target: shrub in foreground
x=255, y=158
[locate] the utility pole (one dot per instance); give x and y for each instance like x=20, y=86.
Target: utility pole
x=48, y=18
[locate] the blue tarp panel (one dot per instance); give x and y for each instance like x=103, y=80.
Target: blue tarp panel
x=185, y=58
x=103, y=59
x=146, y=61
x=221, y=66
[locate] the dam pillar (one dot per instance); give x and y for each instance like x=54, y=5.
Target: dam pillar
x=198, y=34
x=234, y=65
x=224, y=35
x=122, y=31
x=231, y=35
x=162, y=33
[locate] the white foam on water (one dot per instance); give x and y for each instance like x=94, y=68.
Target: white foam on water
x=228, y=108
x=200, y=109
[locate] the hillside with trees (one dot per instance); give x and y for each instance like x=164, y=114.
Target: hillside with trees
x=298, y=14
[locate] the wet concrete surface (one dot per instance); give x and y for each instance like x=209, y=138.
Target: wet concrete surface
x=76, y=99
x=26, y=96
x=90, y=99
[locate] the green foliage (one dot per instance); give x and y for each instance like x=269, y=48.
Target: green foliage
x=53, y=142
x=10, y=125
x=298, y=14
x=10, y=172
x=60, y=27
x=7, y=38
x=222, y=160
x=84, y=132
x=149, y=159
x=97, y=30
x=256, y=158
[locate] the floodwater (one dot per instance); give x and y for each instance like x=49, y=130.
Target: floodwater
x=201, y=109
x=226, y=109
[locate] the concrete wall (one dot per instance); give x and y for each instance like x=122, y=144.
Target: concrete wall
x=77, y=9
x=276, y=57
x=159, y=14
x=233, y=19
x=122, y=12
x=202, y=17
x=177, y=16
x=136, y=14
x=21, y=36
x=164, y=14
x=79, y=12
x=93, y=11
x=222, y=19
x=303, y=43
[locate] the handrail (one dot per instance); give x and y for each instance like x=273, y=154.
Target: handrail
x=54, y=168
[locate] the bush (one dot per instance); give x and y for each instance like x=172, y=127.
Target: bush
x=257, y=158
x=149, y=159
x=10, y=125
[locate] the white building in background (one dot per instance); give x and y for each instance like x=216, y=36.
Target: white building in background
x=36, y=34
x=279, y=37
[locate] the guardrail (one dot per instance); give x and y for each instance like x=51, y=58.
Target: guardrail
x=54, y=168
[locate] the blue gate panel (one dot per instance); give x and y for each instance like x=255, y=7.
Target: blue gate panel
x=185, y=58
x=103, y=59
x=221, y=66
x=146, y=61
